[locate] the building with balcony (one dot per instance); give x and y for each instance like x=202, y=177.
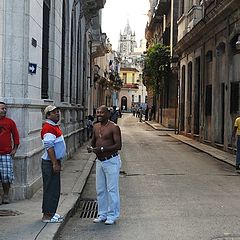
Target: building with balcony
x=162, y=29
x=209, y=54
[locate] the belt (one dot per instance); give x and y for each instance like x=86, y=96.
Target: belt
x=106, y=158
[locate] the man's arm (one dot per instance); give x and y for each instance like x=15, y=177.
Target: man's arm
x=15, y=136
x=93, y=141
x=55, y=163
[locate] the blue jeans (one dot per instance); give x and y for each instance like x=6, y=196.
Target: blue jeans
x=107, y=188
x=238, y=151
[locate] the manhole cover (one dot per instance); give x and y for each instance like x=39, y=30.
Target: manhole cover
x=88, y=208
x=6, y=213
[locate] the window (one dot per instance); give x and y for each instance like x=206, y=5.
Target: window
x=125, y=78
x=133, y=78
x=63, y=51
x=234, y=104
x=45, y=48
x=208, y=100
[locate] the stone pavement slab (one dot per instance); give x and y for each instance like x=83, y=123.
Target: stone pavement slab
x=27, y=225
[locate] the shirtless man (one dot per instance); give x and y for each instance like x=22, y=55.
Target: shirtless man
x=105, y=144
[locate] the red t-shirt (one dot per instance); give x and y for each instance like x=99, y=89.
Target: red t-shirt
x=8, y=135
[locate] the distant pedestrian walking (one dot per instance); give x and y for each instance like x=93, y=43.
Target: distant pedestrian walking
x=55, y=150
x=114, y=115
x=9, y=142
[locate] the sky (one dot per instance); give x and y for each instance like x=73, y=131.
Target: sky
x=115, y=15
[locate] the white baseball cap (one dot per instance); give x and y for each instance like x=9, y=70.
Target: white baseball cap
x=49, y=108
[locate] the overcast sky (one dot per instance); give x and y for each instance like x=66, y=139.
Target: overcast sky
x=115, y=16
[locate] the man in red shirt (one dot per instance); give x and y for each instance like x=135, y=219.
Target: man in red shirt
x=9, y=141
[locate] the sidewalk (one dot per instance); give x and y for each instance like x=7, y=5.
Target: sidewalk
x=212, y=151
x=27, y=225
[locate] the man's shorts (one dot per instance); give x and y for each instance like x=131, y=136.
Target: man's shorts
x=6, y=169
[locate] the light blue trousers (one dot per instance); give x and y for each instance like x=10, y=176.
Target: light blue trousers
x=107, y=188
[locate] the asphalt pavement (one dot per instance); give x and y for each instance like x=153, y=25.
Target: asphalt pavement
x=22, y=219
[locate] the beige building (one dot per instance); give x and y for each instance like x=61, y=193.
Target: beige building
x=209, y=55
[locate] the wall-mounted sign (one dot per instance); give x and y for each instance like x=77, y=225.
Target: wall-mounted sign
x=32, y=68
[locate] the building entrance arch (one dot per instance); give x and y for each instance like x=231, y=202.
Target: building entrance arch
x=124, y=103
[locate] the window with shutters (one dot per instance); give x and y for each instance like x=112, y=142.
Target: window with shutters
x=63, y=51
x=208, y=100
x=45, y=48
x=234, y=104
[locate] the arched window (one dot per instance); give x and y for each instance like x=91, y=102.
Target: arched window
x=45, y=48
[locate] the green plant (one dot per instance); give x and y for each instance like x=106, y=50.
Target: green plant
x=157, y=67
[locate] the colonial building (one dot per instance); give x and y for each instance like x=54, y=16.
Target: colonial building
x=162, y=29
x=209, y=50
x=46, y=53
x=133, y=91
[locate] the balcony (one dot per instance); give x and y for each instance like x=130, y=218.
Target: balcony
x=130, y=85
x=195, y=14
x=91, y=7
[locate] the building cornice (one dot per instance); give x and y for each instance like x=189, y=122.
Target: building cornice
x=201, y=31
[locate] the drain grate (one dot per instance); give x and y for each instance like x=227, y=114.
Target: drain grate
x=88, y=208
x=7, y=213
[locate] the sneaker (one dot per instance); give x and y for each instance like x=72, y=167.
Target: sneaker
x=5, y=199
x=109, y=222
x=99, y=219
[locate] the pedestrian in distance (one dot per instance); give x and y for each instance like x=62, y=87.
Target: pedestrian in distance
x=55, y=151
x=114, y=115
x=90, y=120
x=106, y=143
x=9, y=142
x=236, y=130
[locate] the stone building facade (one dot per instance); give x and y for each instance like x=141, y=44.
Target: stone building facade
x=209, y=55
x=47, y=49
x=162, y=29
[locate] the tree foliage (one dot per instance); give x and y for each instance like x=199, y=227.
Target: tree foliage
x=157, y=67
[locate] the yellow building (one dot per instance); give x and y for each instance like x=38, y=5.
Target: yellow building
x=133, y=91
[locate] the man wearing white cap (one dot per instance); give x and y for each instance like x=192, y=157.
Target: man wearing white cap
x=55, y=150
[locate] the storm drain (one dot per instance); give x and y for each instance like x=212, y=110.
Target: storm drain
x=88, y=208
x=8, y=213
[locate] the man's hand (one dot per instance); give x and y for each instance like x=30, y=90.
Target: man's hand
x=56, y=167
x=90, y=149
x=13, y=152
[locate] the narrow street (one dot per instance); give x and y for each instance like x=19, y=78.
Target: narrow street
x=169, y=191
